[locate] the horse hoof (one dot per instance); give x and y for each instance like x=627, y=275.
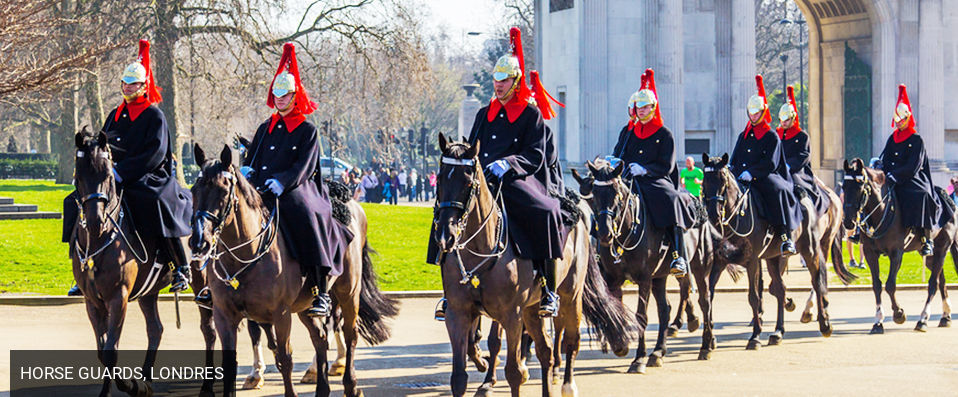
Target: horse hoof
x=621, y=352
x=637, y=367
x=775, y=339
x=654, y=361
x=790, y=305
x=570, y=390
x=899, y=316
x=672, y=332
x=484, y=391
x=482, y=364
x=705, y=354
x=806, y=318
x=877, y=329
x=337, y=369
x=693, y=324
x=256, y=382
x=525, y=374
x=945, y=322
x=826, y=329
x=922, y=326
x=753, y=344
x=359, y=393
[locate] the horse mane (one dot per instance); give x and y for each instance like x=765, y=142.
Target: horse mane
x=246, y=190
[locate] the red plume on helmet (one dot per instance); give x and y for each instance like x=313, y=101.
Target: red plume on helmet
x=287, y=62
x=650, y=81
x=760, y=83
x=515, y=41
x=901, y=135
x=791, y=101
x=647, y=129
x=543, y=98
x=151, y=89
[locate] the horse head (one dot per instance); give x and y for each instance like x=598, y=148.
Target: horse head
x=214, y=199
x=94, y=180
x=608, y=196
x=716, y=185
x=857, y=187
x=458, y=186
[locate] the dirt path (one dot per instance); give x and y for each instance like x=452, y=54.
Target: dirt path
x=416, y=361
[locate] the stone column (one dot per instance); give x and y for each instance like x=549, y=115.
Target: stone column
x=724, y=123
x=595, y=135
x=467, y=111
x=662, y=26
x=743, y=64
x=931, y=76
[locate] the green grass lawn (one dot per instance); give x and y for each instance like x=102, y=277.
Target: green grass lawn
x=32, y=258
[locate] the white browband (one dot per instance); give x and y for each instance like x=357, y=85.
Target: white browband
x=605, y=183
x=859, y=178
x=454, y=161
x=709, y=169
x=80, y=154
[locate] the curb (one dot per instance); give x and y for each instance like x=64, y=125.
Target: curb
x=55, y=300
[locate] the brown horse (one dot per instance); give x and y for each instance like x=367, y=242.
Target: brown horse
x=112, y=265
x=870, y=205
x=732, y=210
x=255, y=276
x=631, y=250
x=482, y=275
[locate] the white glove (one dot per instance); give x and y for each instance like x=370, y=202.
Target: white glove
x=499, y=168
x=637, y=170
x=116, y=175
x=788, y=168
x=246, y=170
x=874, y=162
x=274, y=186
x=613, y=161
x=745, y=176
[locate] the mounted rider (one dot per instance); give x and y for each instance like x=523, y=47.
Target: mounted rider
x=758, y=159
x=281, y=162
x=518, y=149
x=798, y=154
x=143, y=169
x=905, y=164
x=648, y=147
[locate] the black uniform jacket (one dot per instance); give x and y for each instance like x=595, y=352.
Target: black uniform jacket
x=665, y=203
x=305, y=214
x=797, y=155
x=143, y=158
x=533, y=215
x=765, y=161
x=908, y=163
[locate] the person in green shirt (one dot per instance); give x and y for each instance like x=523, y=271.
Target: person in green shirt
x=691, y=177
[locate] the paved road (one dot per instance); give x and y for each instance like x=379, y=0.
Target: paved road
x=416, y=361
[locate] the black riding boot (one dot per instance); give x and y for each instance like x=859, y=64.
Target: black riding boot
x=927, y=245
x=75, y=291
x=788, y=247
x=181, y=264
x=856, y=235
x=440, y=314
x=680, y=266
x=322, y=304
x=549, y=304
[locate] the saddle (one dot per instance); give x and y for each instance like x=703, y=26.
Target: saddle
x=569, y=206
x=339, y=195
x=948, y=206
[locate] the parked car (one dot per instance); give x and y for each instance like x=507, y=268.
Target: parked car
x=333, y=166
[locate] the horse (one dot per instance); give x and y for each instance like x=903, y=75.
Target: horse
x=112, y=265
x=631, y=249
x=482, y=275
x=731, y=209
x=253, y=275
x=870, y=205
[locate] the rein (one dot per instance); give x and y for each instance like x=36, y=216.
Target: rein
x=862, y=222
x=115, y=217
x=737, y=210
x=633, y=207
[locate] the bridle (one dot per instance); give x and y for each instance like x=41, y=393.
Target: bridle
x=266, y=236
x=467, y=203
x=632, y=204
x=738, y=209
x=865, y=193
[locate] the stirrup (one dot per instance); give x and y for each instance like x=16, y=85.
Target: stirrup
x=75, y=291
x=321, y=307
x=788, y=247
x=440, y=313
x=181, y=281
x=204, y=298
x=679, y=267
x=549, y=305
x=927, y=248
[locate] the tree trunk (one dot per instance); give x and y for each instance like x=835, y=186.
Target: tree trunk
x=94, y=100
x=163, y=72
x=63, y=134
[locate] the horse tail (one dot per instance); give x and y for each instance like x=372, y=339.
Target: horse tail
x=954, y=254
x=611, y=323
x=838, y=261
x=374, y=306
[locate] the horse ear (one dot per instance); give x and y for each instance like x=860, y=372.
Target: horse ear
x=443, y=143
x=226, y=156
x=199, y=155
x=724, y=160
x=847, y=168
x=591, y=167
x=472, y=152
x=577, y=177
x=618, y=169
x=705, y=158
x=101, y=140
x=78, y=139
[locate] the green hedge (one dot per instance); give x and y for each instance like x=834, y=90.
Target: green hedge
x=27, y=169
